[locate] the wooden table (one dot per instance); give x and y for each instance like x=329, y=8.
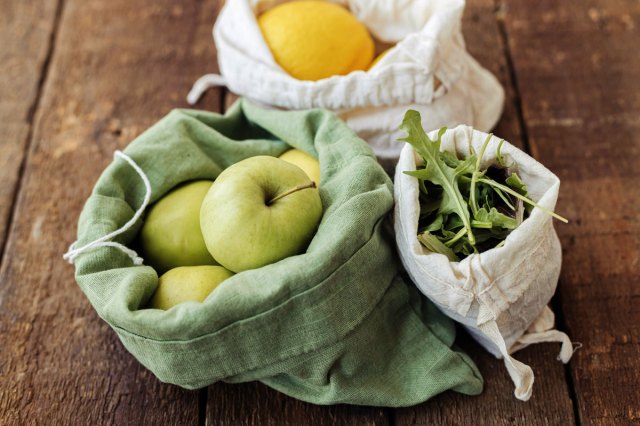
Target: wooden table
x=81, y=78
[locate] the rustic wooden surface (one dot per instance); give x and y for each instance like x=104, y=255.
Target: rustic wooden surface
x=83, y=78
x=115, y=70
x=584, y=123
x=26, y=31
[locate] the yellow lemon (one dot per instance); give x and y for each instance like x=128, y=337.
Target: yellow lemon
x=307, y=163
x=377, y=59
x=187, y=283
x=313, y=40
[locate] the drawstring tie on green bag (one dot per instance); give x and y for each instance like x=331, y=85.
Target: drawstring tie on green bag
x=203, y=84
x=105, y=241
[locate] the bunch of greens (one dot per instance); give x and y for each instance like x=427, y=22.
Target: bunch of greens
x=463, y=209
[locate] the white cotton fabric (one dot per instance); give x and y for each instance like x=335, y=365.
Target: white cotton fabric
x=500, y=295
x=428, y=69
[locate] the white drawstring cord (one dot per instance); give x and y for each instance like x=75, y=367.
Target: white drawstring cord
x=73, y=252
x=521, y=374
x=203, y=84
x=541, y=331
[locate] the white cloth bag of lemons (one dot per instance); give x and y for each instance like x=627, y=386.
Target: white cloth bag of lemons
x=368, y=60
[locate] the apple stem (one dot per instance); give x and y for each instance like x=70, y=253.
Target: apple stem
x=311, y=184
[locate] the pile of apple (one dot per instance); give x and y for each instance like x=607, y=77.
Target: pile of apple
x=259, y=211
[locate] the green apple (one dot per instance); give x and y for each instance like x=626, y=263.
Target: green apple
x=260, y=211
x=187, y=283
x=171, y=235
x=306, y=162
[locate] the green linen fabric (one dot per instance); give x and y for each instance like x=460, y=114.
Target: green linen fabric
x=337, y=324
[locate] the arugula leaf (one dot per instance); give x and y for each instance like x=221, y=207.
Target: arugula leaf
x=465, y=166
x=453, y=222
x=435, y=168
x=495, y=219
x=436, y=224
x=449, y=159
x=516, y=184
x=434, y=245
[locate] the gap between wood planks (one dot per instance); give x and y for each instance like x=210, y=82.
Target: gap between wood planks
x=31, y=114
x=203, y=394
x=500, y=11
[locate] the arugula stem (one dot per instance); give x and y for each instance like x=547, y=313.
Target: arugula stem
x=523, y=198
x=499, y=158
x=475, y=175
x=456, y=237
x=507, y=202
x=481, y=224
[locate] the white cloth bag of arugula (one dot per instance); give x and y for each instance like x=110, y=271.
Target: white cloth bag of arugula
x=427, y=69
x=498, y=278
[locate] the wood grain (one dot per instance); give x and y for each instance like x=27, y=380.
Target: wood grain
x=497, y=405
x=255, y=404
x=578, y=66
x=118, y=66
x=26, y=31
x=483, y=38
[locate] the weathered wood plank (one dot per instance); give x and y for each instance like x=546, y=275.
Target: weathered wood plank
x=229, y=99
x=497, y=405
x=483, y=38
x=26, y=31
x=578, y=65
x=251, y=404
x=118, y=67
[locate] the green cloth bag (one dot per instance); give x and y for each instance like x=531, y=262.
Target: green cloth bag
x=337, y=324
